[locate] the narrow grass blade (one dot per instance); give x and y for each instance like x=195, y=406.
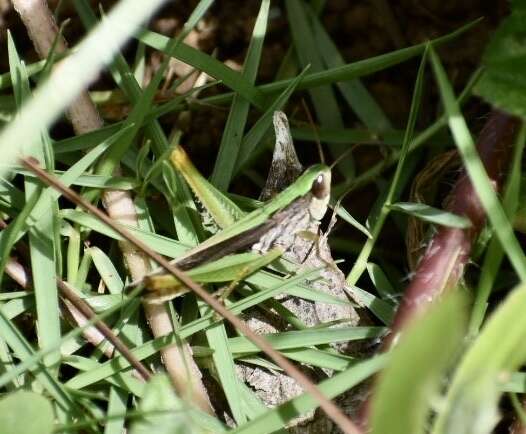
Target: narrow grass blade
x=237, y=117
x=432, y=215
x=361, y=262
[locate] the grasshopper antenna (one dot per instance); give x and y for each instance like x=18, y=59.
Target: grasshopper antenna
x=314, y=130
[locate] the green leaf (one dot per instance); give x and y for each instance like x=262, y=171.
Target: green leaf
x=25, y=412
x=503, y=83
x=204, y=62
x=306, y=338
x=227, y=268
x=470, y=406
x=107, y=270
x=164, y=413
x=432, y=215
x=410, y=381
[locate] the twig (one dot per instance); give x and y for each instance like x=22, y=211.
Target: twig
x=332, y=410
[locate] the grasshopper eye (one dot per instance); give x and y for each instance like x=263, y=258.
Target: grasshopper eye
x=320, y=187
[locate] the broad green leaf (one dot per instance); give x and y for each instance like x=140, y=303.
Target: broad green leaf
x=503, y=83
x=410, y=382
x=25, y=412
x=470, y=406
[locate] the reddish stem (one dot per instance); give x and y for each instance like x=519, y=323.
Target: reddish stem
x=442, y=265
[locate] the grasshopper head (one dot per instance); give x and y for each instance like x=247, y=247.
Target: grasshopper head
x=321, y=193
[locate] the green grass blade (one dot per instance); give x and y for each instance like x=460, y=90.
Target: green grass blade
x=354, y=92
x=494, y=254
x=323, y=97
x=361, y=262
x=203, y=62
x=257, y=132
x=237, y=117
x=432, y=215
x=107, y=270
x=307, y=338
x=355, y=69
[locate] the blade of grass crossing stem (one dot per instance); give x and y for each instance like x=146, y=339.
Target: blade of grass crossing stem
x=363, y=258
x=277, y=418
x=237, y=117
x=494, y=253
x=411, y=380
x=323, y=98
x=41, y=234
x=77, y=71
x=471, y=403
x=475, y=169
x=67, y=178
x=30, y=358
x=354, y=92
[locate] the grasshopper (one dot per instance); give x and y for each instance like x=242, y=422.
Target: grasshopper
x=285, y=225
x=275, y=225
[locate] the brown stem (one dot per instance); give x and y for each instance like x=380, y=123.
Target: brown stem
x=120, y=206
